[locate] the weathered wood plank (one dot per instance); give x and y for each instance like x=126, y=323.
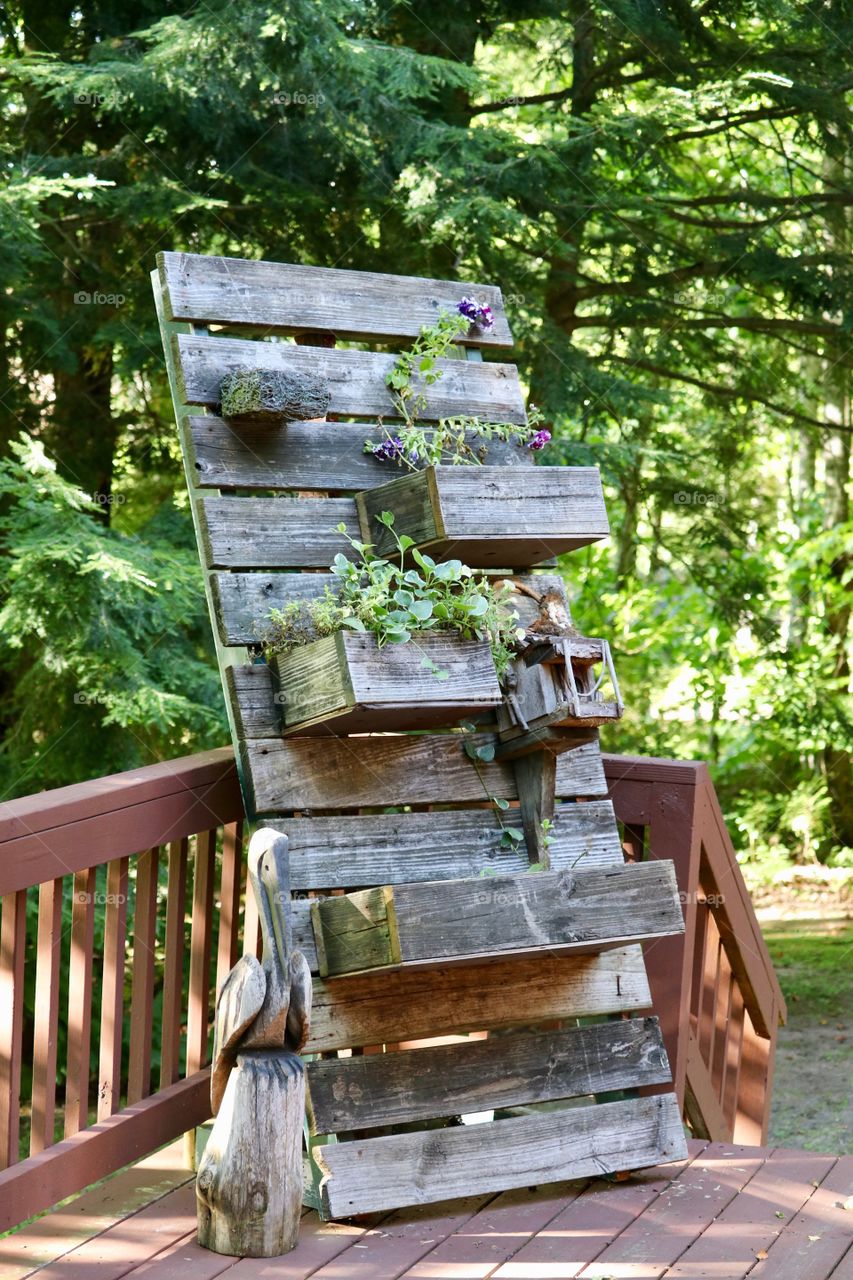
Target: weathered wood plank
x=327, y=456
x=418, y=1167
x=455, y=920
x=289, y=298
x=275, y=533
x=390, y=848
x=242, y=601
x=341, y=773
x=481, y=1075
x=409, y=1004
x=489, y=516
x=345, y=683
x=356, y=379
x=249, y=1185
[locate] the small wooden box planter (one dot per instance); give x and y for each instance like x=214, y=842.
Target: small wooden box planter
x=489, y=517
x=458, y=921
x=553, y=684
x=344, y=683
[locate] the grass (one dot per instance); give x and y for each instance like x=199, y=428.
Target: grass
x=812, y=1102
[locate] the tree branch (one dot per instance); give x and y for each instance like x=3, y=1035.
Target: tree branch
x=730, y=393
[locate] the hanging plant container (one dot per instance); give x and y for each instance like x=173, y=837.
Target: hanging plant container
x=345, y=683
x=489, y=517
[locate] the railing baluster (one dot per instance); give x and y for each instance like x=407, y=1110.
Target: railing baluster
x=173, y=974
x=734, y=1050
x=13, y=941
x=707, y=1003
x=142, y=998
x=722, y=1011
x=200, y=950
x=112, y=990
x=80, y=982
x=48, y=956
x=229, y=895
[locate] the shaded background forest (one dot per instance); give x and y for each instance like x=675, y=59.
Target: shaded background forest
x=662, y=190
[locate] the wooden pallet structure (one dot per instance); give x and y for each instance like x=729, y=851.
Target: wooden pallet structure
x=418, y=921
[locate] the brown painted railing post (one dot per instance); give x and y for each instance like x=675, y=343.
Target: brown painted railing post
x=13, y=944
x=46, y=1037
x=80, y=984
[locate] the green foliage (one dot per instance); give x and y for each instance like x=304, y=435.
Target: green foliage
x=396, y=603
x=105, y=656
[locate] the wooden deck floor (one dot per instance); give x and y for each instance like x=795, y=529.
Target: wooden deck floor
x=727, y=1213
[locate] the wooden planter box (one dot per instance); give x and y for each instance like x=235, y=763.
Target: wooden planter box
x=345, y=683
x=489, y=517
x=458, y=921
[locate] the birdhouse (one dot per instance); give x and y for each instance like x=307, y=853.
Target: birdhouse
x=559, y=681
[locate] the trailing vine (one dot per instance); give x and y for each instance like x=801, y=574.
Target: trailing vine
x=450, y=441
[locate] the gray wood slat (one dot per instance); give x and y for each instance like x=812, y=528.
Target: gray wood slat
x=243, y=600
x=304, y=455
x=346, y=773
x=413, y=1004
x=483, y=1075
x=420, y=1167
x=289, y=298
x=395, y=848
x=356, y=379
x=451, y=921
x=276, y=533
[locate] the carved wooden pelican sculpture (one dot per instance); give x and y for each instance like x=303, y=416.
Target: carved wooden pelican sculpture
x=249, y=1185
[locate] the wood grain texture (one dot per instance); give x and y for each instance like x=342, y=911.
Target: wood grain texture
x=249, y=1185
x=356, y=379
x=482, y=1075
x=340, y=773
x=455, y=920
x=242, y=601
x=489, y=516
x=326, y=455
x=390, y=848
x=275, y=533
x=416, y=1168
x=346, y=683
x=412, y=1004
x=290, y=298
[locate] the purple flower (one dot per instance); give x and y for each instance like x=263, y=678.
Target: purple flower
x=479, y=313
x=389, y=450
x=539, y=440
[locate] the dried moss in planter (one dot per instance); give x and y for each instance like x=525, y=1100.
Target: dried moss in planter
x=272, y=396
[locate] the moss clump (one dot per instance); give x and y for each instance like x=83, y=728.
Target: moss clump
x=273, y=396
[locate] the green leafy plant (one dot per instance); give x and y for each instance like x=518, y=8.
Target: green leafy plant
x=450, y=442
x=396, y=602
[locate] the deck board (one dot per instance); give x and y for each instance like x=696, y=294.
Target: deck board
x=727, y=1211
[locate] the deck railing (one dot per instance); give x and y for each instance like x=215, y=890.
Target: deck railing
x=121, y=913
x=715, y=989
